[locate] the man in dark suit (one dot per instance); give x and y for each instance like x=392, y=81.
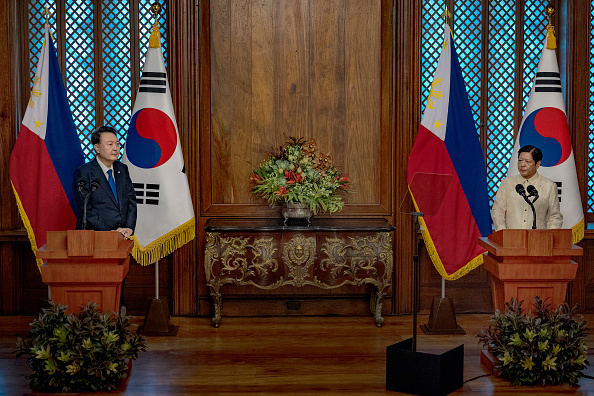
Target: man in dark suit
x=112, y=201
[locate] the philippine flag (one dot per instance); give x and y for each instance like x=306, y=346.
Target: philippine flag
x=545, y=126
x=446, y=173
x=46, y=154
x=156, y=164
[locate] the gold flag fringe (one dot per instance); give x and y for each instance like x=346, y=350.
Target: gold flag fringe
x=432, y=251
x=551, y=40
x=164, y=245
x=28, y=226
x=577, y=231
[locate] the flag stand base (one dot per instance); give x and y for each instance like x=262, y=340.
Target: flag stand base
x=442, y=318
x=156, y=319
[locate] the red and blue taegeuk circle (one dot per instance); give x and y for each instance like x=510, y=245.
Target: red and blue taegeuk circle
x=546, y=128
x=152, y=138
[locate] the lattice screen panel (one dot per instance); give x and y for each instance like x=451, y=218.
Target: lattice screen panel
x=117, y=66
x=467, y=36
x=113, y=85
x=37, y=30
x=535, y=23
x=590, y=205
x=500, y=91
x=80, y=69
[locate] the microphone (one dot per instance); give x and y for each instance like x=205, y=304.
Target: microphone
x=94, y=186
x=532, y=192
x=82, y=185
x=520, y=190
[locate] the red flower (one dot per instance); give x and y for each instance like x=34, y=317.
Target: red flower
x=343, y=181
x=282, y=191
x=292, y=177
x=255, y=178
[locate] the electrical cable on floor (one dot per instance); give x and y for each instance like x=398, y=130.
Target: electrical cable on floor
x=477, y=377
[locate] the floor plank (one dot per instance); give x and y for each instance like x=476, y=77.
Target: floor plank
x=283, y=355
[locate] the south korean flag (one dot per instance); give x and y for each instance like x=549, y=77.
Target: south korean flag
x=155, y=160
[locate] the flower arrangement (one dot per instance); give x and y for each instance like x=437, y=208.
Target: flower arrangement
x=547, y=349
x=77, y=353
x=300, y=172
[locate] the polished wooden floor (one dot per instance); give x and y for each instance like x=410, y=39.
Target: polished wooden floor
x=283, y=355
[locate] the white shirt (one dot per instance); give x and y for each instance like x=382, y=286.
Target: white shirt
x=104, y=168
x=510, y=210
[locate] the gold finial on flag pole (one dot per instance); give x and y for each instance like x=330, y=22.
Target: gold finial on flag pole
x=551, y=40
x=550, y=11
x=446, y=14
x=46, y=12
x=156, y=8
x=155, y=39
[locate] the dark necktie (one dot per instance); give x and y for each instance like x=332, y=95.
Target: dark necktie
x=112, y=184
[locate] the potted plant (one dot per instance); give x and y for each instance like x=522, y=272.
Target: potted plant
x=90, y=351
x=299, y=175
x=545, y=349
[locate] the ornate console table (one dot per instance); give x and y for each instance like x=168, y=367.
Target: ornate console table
x=328, y=254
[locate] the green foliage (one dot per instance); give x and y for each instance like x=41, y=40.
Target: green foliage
x=77, y=353
x=547, y=349
x=299, y=172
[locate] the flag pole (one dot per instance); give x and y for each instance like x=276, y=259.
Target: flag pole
x=46, y=14
x=157, y=279
x=156, y=320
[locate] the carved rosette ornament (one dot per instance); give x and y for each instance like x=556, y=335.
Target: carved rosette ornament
x=298, y=255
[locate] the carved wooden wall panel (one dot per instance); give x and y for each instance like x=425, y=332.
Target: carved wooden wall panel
x=306, y=68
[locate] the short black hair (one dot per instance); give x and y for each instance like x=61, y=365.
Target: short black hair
x=96, y=135
x=534, y=151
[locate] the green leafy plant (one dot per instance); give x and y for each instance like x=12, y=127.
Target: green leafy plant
x=76, y=353
x=546, y=349
x=300, y=172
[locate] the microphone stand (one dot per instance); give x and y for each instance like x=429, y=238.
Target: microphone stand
x=532, y=192
x=520, y=190
x=533, y=214
x=81, y=187
x=94, y=186
x=527, y=199
x=84, y=222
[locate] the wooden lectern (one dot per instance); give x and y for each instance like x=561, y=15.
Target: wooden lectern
x=85, y=265
x=528, y=263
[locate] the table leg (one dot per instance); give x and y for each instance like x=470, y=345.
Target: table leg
x=375, y=303
x=217, y=300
